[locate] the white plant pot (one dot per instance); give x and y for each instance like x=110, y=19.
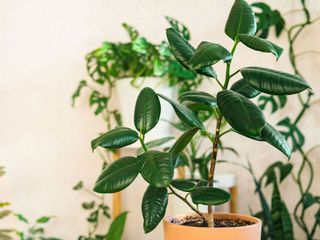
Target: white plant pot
x=126, y=99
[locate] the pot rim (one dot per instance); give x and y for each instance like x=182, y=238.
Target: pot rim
x=256, y=221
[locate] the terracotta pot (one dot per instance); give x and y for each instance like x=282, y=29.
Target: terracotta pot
x=178, y=232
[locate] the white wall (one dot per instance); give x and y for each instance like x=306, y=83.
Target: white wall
x=45, y=142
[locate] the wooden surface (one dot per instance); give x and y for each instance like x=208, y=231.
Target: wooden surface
x=116, y=198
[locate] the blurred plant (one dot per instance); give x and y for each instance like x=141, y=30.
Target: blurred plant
x=98, y=212
x=35, y=231
x=278, y=224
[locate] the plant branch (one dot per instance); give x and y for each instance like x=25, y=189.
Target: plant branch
x=188, y=203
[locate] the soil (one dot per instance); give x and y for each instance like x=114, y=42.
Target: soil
x=219, y=223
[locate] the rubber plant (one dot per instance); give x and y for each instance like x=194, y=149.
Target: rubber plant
x=232, y=103
x=137, y=58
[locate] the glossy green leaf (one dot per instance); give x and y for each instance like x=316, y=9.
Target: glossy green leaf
x=273, y=82
x=243, y=115
x=243, y=88
x=209, y=196
x=147, y=110
x=184, y=113
x=182, y=142
x=184, y=185
x=154, y=205
x=116, y=138
x=260, y=44
x=156, y=168
x=241, y=20
x=118, y=175
x=198, y=97
x=276, y=139
x=183, y=51
x=208, y=54
x=117, y=227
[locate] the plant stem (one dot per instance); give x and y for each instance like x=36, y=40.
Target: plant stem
x=188, y=203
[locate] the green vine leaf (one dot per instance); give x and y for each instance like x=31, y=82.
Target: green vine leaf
x=276, y=102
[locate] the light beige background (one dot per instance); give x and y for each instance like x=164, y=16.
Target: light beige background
x=44, y=142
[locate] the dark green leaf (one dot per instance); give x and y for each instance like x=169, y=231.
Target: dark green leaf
x=21, y=218
x=243, y=88
x=244, y=116
x=183, y=185
x=199, y=98
x=309, y=200
x=140, y=45
x=260, y=44
x=154, y=205
x=147, y=110
x=273, y=82
x=183, y=51
x=117, y=227
x=93, y=217
x=99, y=100
x=277, y=102
x=292, y=133
x=208, y=54
x=118, y=175
x=184, y=113
x=276, y=211
x=77, y=92
x=116, y=138
x=276, y=139
x=182, y=142
x=88, y=205
x=133, y=33
x=241, y=20
x=287, y=226
x=156, y=168
x=209, y=196
x=43, y=219
x=78, y=186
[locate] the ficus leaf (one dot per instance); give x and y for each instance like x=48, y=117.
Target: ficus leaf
x=116, y=138
x=241, y=20
x=183, y=51
x=184, y=113
x=182, y=142
x=184, y=185
x=118, y=175
x=147, y=110
x=208, y=54
x=260, y=44
x=273, y=82
x=243, y=115
x=154, y=205
x=156, y=168
x=276, y=139
x=209, y=196
x=199, y=98
x=245, y=89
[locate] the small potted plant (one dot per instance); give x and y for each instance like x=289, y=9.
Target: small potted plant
x=232, y=104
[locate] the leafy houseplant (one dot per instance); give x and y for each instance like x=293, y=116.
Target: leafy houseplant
x=232, y=104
